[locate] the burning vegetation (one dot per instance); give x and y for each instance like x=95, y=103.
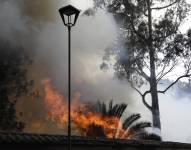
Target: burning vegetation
x=94, y=120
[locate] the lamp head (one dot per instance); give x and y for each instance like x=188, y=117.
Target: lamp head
x=69, y=15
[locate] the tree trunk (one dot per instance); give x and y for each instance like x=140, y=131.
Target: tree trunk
x=153, y=82
x=155, y=105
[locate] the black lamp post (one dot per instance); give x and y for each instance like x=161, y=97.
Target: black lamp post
x=69, y=16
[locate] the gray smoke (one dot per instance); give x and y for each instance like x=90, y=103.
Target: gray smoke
x=12, y=27
x=46, y=41
x=175, y=114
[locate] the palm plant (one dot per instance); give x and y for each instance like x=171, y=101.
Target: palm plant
x=133, y=129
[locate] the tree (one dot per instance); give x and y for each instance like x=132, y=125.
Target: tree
x=13, y=83
x=133, y=129
x=151, y=46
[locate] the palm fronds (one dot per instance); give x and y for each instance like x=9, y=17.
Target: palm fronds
x=139, y=126
x=116, y=110
x=147, y=136
x=131, y=119
x=133, y=129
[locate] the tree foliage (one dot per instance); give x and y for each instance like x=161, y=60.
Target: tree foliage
x=131, y=52
x=150, y=45
x=13, y=83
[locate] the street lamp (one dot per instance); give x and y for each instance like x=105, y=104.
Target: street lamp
x=69, y=16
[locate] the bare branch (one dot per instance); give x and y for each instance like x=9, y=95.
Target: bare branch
x=143, y=96
x=139, y=71
x=147, y=92
x=163, y=7
x=146, y=65
x=137, y=90
x=162, y=71
x=144, y=101
x=189, y=67
x=184, y=76
x=165, y=73
x=142, y=73
x=146, y=104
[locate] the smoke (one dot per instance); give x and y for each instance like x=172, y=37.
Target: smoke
x=175, y=115
x=46, y=41
x=90, y=37
x=174, y=112
x=12, y=25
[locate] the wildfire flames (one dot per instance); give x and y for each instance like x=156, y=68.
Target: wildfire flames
x=83, y=121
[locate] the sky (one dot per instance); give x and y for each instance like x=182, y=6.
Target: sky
x=37, y=26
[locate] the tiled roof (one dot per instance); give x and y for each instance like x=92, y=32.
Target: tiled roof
x=44, y=139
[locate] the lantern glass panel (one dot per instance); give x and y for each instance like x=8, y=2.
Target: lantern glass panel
x=65, y=18
x=73, y=18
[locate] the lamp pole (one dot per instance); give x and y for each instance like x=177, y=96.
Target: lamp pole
x=69, y=12
x=69, y=87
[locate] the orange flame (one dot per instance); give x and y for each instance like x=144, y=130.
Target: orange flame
x=82, y=118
